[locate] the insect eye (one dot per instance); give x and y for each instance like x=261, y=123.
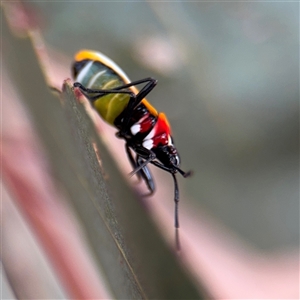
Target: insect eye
x=175, y=160
x=173, y=155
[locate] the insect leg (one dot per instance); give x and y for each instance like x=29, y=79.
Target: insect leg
x=146, y=154
x=146, y=175
x=144, y=172
x=134, y=101
x=100, y=93
x=132, y=160
x=142, y=93
x=139, y=97
x=146, y=89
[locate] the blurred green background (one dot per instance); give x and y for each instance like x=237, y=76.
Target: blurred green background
x=229, y=82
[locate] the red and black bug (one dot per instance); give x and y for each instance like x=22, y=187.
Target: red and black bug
x=147, y=133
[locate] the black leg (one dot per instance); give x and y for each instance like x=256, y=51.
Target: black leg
x=133, y=101
x=146, y=89
x=100, y=93
x=132, y=104
x=132, y=160
x=146, y=154
x=138, y=97
x=130, y=157
x=150, y=80
x=143, y=172
x=148, y=157
x=146, y=175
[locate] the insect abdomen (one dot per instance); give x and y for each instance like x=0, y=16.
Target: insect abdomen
x=94, y=75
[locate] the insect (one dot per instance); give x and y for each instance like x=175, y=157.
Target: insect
x=147, y=133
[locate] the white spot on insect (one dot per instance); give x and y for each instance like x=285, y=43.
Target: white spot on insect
x=148, y=144
x=135, y=128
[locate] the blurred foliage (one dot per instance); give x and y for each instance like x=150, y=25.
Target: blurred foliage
x=228, y=80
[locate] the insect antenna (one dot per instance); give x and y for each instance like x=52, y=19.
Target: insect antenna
x=176, y=218
x=176, y=200
x=177, y=240
x=184, y=174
